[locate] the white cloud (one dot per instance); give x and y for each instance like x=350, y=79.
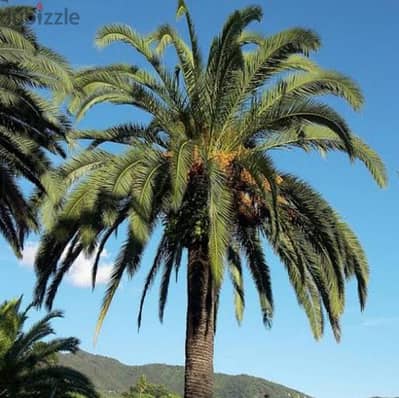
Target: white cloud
x=28, y=254
x=80, y=273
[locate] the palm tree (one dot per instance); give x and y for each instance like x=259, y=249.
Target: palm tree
x=29, y=125
x=28, y=366
x=202, y=170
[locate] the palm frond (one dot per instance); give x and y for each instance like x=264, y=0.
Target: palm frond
x=252, y=247
x=235, y=271
x=128, y=260
x=324, y=139
x=220, y=211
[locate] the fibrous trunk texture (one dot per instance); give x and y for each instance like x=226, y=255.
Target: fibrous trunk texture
x=200, y=325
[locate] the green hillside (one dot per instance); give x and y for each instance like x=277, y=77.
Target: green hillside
x=112, y=377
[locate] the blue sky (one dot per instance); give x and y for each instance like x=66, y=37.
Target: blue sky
x=360, y=39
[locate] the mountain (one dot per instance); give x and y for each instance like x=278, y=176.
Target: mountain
x=112, y=377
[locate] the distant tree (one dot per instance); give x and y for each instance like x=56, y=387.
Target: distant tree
x=144, y=389
x=29, y=366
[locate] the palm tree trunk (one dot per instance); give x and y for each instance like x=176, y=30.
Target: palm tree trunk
x=200, y=325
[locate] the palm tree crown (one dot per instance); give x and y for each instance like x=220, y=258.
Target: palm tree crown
x=202, y=167
x=29, y=125
x=28, y=366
